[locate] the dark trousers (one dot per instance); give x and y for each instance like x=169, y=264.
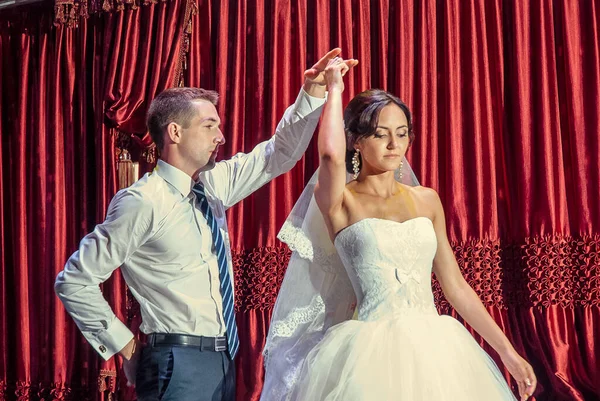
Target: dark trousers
x=172, y=373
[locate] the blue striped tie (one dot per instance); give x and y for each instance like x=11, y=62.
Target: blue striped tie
x=233, y=342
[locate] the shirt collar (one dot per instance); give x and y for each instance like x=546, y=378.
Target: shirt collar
x=177, y=178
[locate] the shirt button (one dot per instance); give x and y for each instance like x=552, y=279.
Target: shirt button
x=102, y=349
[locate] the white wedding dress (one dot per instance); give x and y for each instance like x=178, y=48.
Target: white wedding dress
x=400, y=348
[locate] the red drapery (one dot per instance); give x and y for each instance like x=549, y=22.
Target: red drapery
x=505, y=97
x=506, y=113
x=68, y=96
x=48, y=193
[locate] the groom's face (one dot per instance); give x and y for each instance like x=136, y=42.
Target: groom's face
x=201, y=139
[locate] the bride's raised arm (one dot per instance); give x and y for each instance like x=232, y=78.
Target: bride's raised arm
x=331, y=183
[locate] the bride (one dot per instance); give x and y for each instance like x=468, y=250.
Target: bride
x=372, y=248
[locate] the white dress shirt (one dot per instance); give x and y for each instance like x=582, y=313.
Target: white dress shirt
x=155, y=231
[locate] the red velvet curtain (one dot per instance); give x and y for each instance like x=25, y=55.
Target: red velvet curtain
x=48, y=191
x=69, y=97
x=505, y=97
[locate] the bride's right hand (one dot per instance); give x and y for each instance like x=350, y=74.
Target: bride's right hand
x=335, y=70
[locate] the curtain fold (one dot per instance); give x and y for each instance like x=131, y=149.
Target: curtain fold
x=48, y=185
x=70, y=97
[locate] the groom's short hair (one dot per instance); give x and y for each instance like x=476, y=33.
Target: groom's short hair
x=175, y=105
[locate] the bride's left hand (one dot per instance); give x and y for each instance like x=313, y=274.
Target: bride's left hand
x=522, y=371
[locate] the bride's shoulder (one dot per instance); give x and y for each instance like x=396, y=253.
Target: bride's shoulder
x=426, y=195
x=420, y=190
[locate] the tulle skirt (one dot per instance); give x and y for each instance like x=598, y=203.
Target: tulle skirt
x=409, y=358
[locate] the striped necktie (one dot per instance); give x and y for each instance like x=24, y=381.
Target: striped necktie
x=233, y=342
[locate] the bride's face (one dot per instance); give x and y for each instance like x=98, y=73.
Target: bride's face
x=384, y=150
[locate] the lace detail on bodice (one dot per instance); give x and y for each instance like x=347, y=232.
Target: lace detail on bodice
x=389, y=264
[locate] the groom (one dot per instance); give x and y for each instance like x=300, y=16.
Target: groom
x=168, y=233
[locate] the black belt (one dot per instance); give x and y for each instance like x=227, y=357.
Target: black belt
x=216, y=344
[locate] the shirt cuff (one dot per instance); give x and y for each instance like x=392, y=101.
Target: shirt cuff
x=110, y=341
x=306, y=104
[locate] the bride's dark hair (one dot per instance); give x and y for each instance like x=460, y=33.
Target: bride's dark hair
x=362, y=115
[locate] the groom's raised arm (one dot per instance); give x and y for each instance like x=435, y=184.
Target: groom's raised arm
x=232, y=180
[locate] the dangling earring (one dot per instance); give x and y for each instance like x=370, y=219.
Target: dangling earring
x=401, y=165
x=356, y=164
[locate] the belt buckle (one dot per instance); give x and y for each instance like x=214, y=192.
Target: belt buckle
x=220, y=344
